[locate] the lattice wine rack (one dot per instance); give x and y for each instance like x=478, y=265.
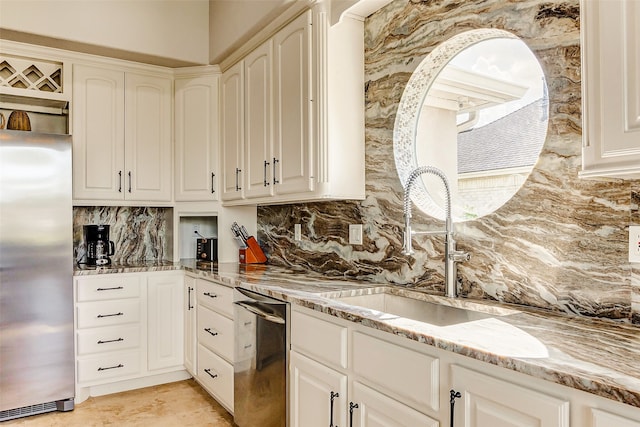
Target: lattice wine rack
x=29, y=74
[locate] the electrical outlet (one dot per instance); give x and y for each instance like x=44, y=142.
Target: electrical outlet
x=297, y=232
x=355, y=234
x=634, y=243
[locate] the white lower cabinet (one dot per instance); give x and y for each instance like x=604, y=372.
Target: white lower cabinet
x=190, y=339
x=345, y=374
x=215, y=340
x=374, y=409
x=129, y=331
x=318, y=393
x=606, y=419
x=216, y=376
x=344, y=378
x=490, y=402
x=165, y=328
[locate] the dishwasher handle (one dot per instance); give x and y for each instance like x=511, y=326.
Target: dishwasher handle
x=258, y=309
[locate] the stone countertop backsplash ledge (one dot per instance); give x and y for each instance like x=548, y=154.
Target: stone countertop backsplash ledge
x=596, y=356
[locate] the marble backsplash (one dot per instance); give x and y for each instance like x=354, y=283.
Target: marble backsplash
x=559, y=244
x=138, y=233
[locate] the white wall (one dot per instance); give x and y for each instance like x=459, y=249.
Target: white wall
x=233, y=22
x=176, y=29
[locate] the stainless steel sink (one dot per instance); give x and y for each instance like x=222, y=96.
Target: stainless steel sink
x=415, y=309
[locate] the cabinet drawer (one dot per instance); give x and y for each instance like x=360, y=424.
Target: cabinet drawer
x=376, y=409
x=490, y=401
x=108, y=313
x=318, y=339
x=108, y=366
x=405, y=374
x=216, y=297
x=111, y=286
x=216, y=376
x=215, y=332
x=113, y=338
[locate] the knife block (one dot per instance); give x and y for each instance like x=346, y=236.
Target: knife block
x=252, y=254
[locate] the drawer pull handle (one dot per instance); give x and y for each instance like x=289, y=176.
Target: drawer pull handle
x=275, y=162
x=100, y=316
x=247, y=323
x=108, y=341
x=266, y=183
x=209, y=330
x=211, y=295
x=238, y=188
x=333, y=396
x=111, y=367
x=453, y=395
x=189, y=306
x=248, y=346
x=110, y=289
x=352, y=406
x=208, y=371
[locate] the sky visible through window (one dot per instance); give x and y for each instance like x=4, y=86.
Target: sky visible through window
x=506, y=59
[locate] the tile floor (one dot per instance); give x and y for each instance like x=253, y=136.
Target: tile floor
x=183, y=403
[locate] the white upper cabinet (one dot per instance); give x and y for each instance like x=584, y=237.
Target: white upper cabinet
x=98, y=133
x=303, y=114
x=148, y=141
x=122, y=144
x=257, y=143
x=196, y=137
x=292, y=107
x=232, y=130
x=611, y=88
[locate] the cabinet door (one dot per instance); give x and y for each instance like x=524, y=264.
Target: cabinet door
x=490, y=402
x=148, y=156
x=196, y=118
x=611, y=88
x=98, y=133
x=377, y=410
x=311, y=385
x=292, y=99
x=258, y=108
x=190, y=343
x=165, y=317
x=232, y=131
x=606, y=419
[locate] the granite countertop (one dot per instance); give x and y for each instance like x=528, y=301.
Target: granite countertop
x=596, y=356
x=126, y=267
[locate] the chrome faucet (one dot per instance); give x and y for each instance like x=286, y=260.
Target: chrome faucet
x=451, y=255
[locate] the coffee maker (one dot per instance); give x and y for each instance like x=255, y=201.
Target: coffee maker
x=99, y=247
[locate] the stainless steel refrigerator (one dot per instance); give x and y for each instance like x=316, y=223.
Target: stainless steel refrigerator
x=36, y=274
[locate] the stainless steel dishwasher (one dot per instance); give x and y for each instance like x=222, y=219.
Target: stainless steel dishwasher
x=261, y=360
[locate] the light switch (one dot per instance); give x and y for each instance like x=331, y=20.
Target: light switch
x=634, y=243
x=355, y=234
